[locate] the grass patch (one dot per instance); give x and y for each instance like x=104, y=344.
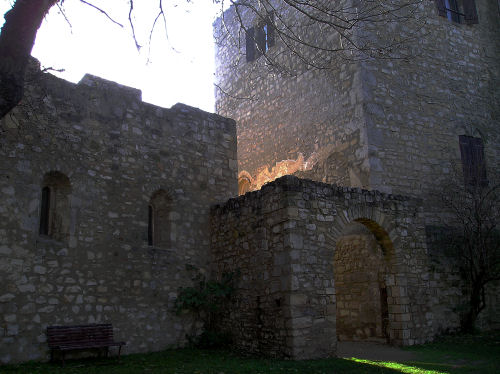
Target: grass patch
x=456, y=354
x=478, y=353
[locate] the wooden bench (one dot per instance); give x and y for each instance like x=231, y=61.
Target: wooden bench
x=71, y=338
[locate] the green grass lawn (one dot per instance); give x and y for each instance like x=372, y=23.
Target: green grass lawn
x=457, y=354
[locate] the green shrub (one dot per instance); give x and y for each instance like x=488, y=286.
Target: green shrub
x=208, y=300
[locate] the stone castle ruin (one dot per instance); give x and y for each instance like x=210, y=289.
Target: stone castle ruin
x=110, y=205
x=401, y=126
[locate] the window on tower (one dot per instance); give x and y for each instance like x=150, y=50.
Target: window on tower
x=260, y=38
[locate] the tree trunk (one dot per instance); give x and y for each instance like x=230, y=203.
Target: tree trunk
x=16, y=42
x=476, y=305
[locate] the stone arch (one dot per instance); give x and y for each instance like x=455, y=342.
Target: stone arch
x=55, y=206
x=245, y=182
x=150, y=190
x=364, y=267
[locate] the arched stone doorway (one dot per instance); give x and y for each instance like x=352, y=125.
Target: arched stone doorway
x=360, y=270
x=370, y=276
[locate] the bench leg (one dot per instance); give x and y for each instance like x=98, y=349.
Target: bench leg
x=119, y=352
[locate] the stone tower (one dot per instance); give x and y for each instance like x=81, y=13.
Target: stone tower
x=391, y=124
x=408, y=104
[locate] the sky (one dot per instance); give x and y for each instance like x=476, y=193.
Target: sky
x=177, y=67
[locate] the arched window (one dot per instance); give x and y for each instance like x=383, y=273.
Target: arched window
x=160, y=225
x=245, y=182
x=55, y=206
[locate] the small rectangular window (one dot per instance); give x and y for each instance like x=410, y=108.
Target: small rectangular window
x=473, y=163
x=44, y=211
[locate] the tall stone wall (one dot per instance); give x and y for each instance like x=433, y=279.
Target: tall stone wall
x=284, y=238
x=112, y=153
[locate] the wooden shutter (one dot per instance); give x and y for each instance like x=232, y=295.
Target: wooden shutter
x=473, y=163
x=440, y=7
x=250, y=44
x=44, y=211
x=261, y=40
x=479, y=162
x=270, y=30
x=470, y=12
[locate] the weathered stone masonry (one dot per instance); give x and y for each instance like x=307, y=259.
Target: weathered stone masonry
x=284, y=238
x=105, y=206
x=391, y=125
x=115, y=152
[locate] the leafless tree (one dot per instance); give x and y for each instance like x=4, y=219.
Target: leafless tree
x=473, y=235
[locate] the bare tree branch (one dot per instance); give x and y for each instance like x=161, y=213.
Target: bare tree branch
x=131, y=22
x=101, y=11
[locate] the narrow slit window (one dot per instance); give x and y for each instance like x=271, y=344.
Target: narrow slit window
x=44, y=211
x=160, y=224
x=150, y=225
x=55, y=206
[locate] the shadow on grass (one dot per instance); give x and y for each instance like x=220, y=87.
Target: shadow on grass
x=189, y=361
x=457, y=355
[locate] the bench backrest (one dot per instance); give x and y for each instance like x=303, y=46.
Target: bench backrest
x=79, y=335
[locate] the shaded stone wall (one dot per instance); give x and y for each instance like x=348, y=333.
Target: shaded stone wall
x=248, y=235
x=116, y=152
x=449, y=292
x=303, y=222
